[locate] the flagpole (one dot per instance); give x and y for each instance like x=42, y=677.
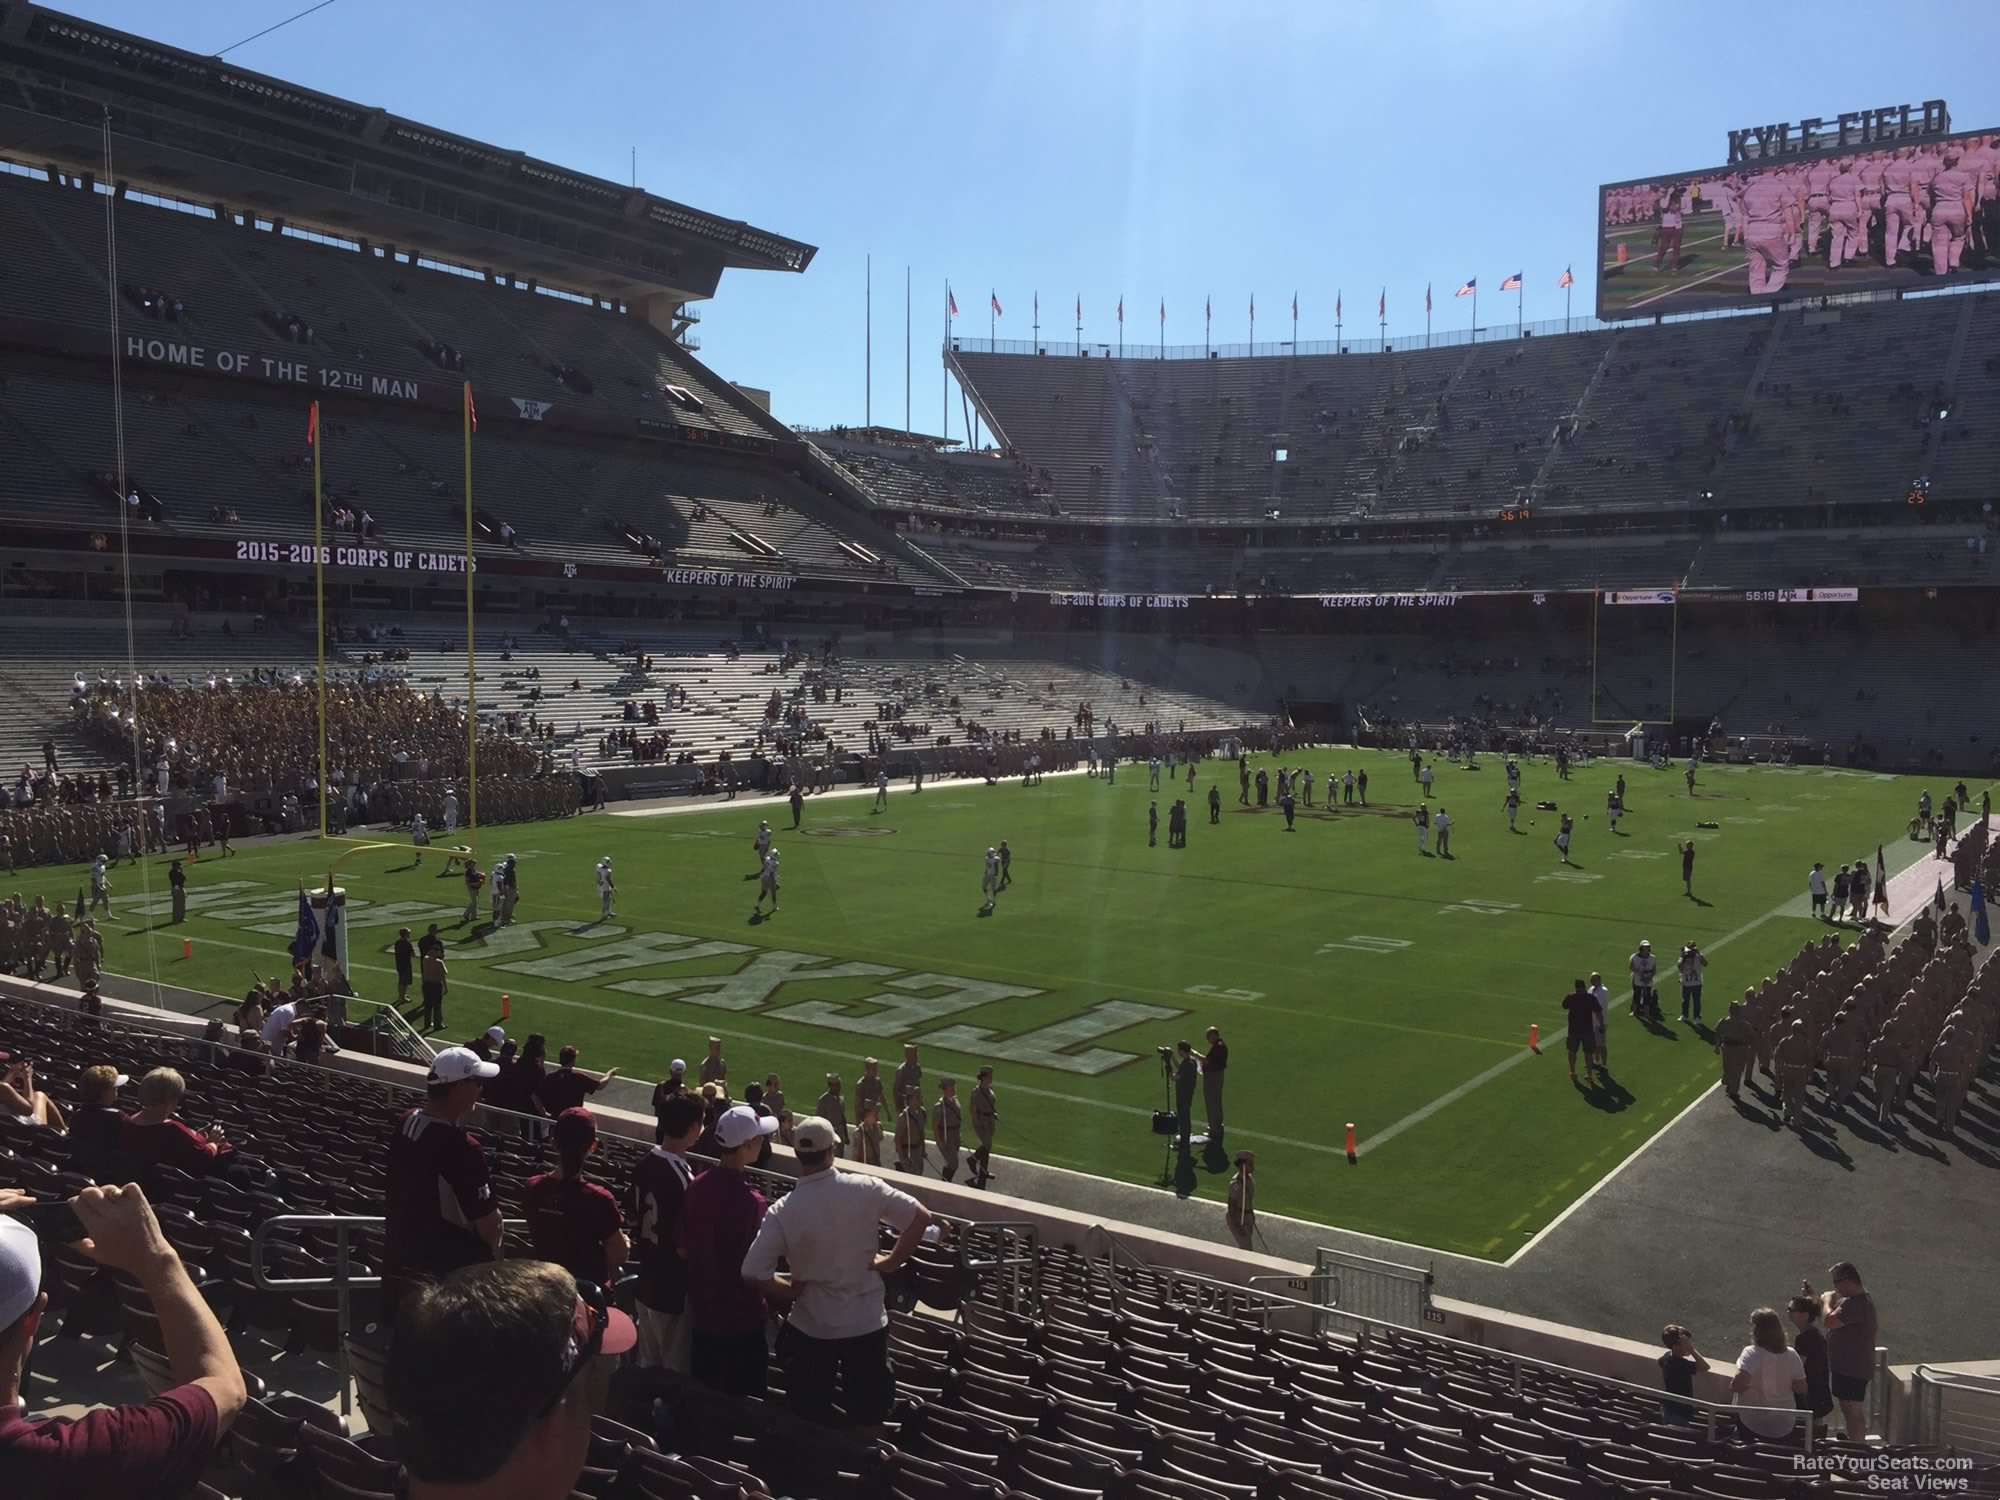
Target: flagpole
x=1566, y=296
x=1079, y=326
x=319, y=600
x=1475, y=312
x=1121, y=325
x=944, y=351
x=471, y=644
x=868, y=345
x=906, y=348
x=1520, y=301
x=1038, y=322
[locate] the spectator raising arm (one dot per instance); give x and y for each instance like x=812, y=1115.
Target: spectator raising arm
x=125, y=1236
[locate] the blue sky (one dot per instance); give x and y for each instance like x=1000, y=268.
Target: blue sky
x=1150, y=149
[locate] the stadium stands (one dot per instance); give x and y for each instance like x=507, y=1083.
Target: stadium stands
x=1111, y=1379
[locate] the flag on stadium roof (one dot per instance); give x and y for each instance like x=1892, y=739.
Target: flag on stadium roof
x=1121, y=308
x=1208, y=309
x=1427, y=299
x=994, y=298
x=1471, y=288
x=1079, y=308
x=1382, y=304
x=1565, y=279
x=1512, y=283
x=1295, y=307
x=1163, y=312
x=1336, y=307
x=951, y=303
x=1038, y=305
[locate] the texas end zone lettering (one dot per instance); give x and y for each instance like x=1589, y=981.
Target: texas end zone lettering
x=392, y=559
x=1854, y=127
x=1377, y=601
x=904, y=1004
x=276, y=369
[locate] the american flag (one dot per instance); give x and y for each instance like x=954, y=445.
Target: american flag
x=1512, y=283
x=1121, y=309
x=1427, y=299
x=950, y=302
x=1382, y=304
x=994, y=298
x=1565, y=279
x=1470, y=289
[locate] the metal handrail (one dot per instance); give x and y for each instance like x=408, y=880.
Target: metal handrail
x=387, y=1014
x=1012, y=1230
x=343, y=1281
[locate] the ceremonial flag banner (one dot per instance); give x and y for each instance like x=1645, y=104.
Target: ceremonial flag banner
x=1468, y=289
x=1512, y=283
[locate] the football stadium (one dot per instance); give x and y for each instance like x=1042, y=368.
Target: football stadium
x=1263, y=920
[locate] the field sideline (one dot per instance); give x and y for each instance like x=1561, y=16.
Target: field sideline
x=1354, y=980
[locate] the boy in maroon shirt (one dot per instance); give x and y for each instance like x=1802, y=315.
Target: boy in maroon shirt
x=566, y=1088
x=719, y=1219
x=572, y=1221
x=154, y=1135
x=659, y=1194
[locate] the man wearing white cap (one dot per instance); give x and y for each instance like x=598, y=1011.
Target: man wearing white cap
x=158, y=1448
x=1645, y=969
x=606, y=889
x=835, y=1345
x=440, y=1210
x=719, y=1224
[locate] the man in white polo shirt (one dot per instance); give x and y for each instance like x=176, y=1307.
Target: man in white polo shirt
x=835, y=1345
x=280, y=1026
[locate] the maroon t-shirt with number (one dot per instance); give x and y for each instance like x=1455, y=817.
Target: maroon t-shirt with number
x=569, y=1220
x=437, y=1189
x=153, y=1451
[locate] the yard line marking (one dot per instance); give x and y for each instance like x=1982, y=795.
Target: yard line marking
x=763, y=1039
x=1418, y=1116
x=1609, y=1177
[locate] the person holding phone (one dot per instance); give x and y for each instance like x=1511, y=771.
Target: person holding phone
x=25, y=1104
x=156, y=1448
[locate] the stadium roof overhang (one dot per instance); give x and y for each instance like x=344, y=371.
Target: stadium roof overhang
x=191, y=127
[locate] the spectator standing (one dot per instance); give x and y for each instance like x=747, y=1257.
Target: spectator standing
x=440, y=1208
x=835, y=1345
x=1850, y=1344
x=494, y=1374
x=1769, y=1372
x=658, y=1197
x=1811, y=1346
x=723, y=1213
x=572, y=1220
x=567, y=1087
x=1678, y=1368
x=156, y=1450
x=663, y=1091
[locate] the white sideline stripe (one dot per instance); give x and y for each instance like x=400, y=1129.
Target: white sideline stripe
x=1418, y=1116
x=1686, y=286
x=764, y=1040
x=1605, y=1181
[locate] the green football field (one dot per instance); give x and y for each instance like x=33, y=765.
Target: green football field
x=1354, y=980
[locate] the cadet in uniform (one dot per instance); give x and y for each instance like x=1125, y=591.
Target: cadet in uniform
x=945, y=1127
x=868, y=1087
x=910, y=1075
x=985, y=1117
x=177, y=887
x=1732, y=1044
x=832, y=1108
x=911, y=1127
x=1794, y=1069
